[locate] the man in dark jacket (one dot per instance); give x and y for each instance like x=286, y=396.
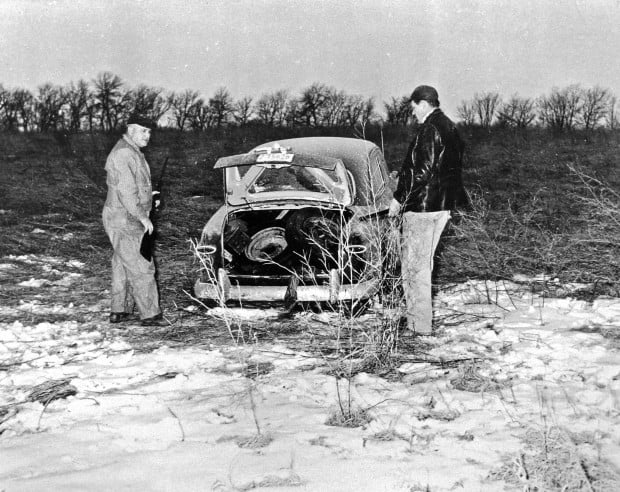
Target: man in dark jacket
x=430, y=177
x=429, y=186
x=126, y=220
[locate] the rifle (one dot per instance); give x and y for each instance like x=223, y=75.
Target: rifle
x=148, y=240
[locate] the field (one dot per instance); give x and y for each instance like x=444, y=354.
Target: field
x=533, y=213
x=517, y=390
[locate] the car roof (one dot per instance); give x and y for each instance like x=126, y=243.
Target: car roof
x=352, y=151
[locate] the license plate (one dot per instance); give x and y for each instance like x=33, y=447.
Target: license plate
x=279, y=157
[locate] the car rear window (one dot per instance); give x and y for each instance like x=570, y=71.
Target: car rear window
x=292, y=178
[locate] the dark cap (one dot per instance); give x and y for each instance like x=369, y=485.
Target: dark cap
x=137, y=119
x=425, y=93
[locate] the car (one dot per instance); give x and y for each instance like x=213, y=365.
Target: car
x=303, y=221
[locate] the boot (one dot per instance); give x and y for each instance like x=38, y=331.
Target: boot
x=157, y=320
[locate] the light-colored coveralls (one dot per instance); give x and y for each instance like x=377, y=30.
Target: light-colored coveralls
x=129, y=200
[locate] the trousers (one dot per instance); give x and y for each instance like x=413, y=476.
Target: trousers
x=133, y=277
x=421, y=232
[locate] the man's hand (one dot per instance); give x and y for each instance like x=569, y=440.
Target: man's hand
x=156, y=199
x=148, y=225
x=394, y=208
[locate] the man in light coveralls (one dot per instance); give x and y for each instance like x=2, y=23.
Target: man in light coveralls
x=126, y=220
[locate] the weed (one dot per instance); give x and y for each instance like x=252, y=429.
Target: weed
x=289, y=480
x=552, y=461
x=345, y=416
x=469, y=378
x=417, y=487
x=241, y=339
x=254, y=442
x=530, y=212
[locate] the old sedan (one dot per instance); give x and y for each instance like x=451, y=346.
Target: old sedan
x=303, y=221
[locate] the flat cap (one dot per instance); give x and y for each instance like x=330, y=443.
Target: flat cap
x=138, y=119
x=425, y=93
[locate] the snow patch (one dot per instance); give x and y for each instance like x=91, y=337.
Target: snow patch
x=34, y=282
x=460, y=402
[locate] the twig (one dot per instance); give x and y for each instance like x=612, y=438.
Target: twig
x=178, y=422
x=43, y=411
x=11, y=364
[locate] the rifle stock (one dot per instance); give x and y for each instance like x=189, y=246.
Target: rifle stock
x=146, y=246
x=148, y=240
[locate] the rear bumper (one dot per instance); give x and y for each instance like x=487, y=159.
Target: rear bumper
x=224, y=290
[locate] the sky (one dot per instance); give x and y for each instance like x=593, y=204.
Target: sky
x=378, y=48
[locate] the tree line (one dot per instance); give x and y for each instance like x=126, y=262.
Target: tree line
x=105, y=103
x=568, y=108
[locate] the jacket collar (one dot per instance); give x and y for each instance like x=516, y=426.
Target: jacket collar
x=434, y=111
x=131, y=143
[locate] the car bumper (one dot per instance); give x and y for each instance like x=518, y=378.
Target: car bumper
x=224, y=290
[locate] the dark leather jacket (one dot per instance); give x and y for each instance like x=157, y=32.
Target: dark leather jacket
x=430, y=178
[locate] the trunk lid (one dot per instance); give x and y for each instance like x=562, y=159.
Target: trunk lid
x=274, y=174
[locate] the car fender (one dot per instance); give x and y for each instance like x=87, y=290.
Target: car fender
x=212, y=230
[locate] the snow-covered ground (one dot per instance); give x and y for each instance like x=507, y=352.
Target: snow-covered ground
x=514, y=386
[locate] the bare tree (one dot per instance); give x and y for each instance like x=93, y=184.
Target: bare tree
x=486, y=105
x=4, y=99
x=353, y=111
x=594, y=107
x=150, y=102
x=294, y=112
x=48, y=106
x=398, y=111
x=368, y=111
x=271, y=108
x=4, y=103
x=611, y=116
x=243, y=110
x=182, y=105
x=8, y=112
x=122, y=109
x=574, y=96
x=200, y=116
x=560, y=109
x=313, y=100
x=91, y=113
x=110, y=98
x=221, y=106
x=517, y=111
x=467, y=112
x=19, y=110
x=357, y=110
x=78, y=97
x=263, y=110
x=333, y=109
x=552, y=110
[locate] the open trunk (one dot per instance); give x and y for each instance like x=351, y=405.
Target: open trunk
x=269, y=246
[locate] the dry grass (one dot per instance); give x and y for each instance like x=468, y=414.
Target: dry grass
x=287, y=479
x=531, y=214
x=254, y=442
x=553, y=460
x=527, y=215
x=52, y=390
x=348, y=417
x=470, y=379
x=526, y=219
